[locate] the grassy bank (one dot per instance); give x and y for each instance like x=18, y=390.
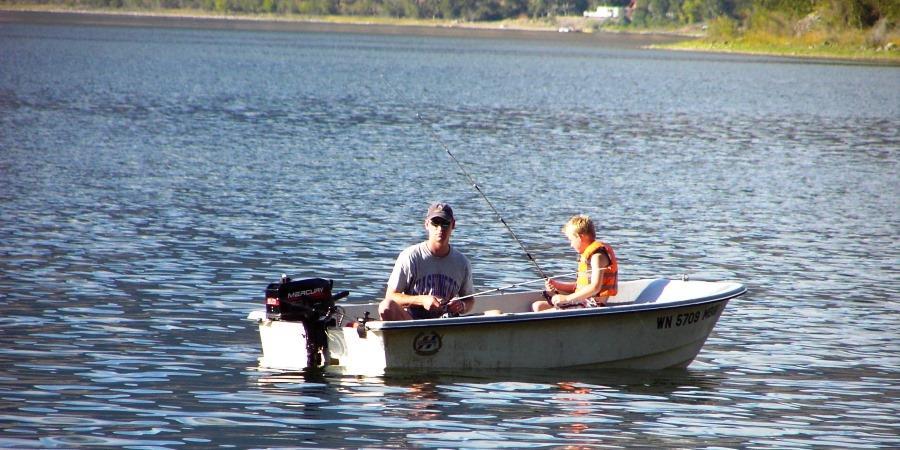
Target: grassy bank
x=808, y=37
x=794, y=48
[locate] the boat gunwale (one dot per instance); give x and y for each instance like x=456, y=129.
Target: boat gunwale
x=531, y=316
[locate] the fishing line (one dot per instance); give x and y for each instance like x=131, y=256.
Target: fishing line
x=501, y=289
x=474, y=184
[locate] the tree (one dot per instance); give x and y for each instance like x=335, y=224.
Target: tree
x=658, y=9
x=538, y=8
x=699, y=10
x=861, y=13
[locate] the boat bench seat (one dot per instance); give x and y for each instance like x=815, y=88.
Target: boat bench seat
x=652, y=292
x=646, y=291
x=636, y=295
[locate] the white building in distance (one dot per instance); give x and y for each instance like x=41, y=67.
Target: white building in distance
x=606, y=13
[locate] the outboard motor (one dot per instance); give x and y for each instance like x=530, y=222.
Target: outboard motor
x=310, y=302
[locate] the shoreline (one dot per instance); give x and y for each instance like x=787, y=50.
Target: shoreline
x=684, y=40
x=706, y=48
x=344, y=24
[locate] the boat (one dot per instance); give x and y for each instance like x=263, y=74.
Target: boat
x=650, y=324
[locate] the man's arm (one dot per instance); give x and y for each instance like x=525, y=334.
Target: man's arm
x=428, y=302
x=399, y=281
x=467, y=290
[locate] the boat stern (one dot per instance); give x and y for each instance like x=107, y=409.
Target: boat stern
x=283, y=342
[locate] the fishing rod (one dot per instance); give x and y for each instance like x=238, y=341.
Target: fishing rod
x=474, y=185
x=500, y=289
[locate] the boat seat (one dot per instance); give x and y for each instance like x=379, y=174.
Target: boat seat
x=652, y=292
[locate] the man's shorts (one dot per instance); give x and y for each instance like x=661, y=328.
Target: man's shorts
x=418, y=313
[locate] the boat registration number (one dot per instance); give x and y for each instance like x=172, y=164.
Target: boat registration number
x=688, y=318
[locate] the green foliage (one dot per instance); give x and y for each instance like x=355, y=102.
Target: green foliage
x=722, y=29
x=691, y=11
x=858, y=13
x=700, y=10
x=538, y=8
x=724, y=17
x=769, y=21
x=793, y=8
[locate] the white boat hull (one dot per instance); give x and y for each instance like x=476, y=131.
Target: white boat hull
x=653, y=324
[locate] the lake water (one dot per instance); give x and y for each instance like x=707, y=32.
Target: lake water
x=153, y=180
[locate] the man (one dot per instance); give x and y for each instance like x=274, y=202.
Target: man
x=429, y=276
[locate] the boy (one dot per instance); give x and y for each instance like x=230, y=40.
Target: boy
x=595, y=256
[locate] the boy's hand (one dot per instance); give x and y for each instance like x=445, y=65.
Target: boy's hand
x=560, y=301
x=550, y=286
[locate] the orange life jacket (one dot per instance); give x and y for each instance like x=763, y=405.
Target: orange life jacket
x=610, y=273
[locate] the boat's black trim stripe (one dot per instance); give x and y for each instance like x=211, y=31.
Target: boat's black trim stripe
x=557, y=315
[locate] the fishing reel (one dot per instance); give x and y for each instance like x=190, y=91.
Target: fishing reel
x=445, y=308
x=548, y=295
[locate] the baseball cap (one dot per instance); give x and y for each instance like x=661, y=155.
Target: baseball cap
x=441, y=210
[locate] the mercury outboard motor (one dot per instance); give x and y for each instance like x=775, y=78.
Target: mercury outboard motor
x=310, y=302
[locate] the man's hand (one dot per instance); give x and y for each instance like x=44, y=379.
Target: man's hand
x=430, y=302
x=456, y=306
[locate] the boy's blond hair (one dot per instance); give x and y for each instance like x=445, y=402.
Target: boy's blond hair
x=580, y=224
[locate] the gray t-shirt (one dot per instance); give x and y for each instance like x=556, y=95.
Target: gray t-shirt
x=419, y=272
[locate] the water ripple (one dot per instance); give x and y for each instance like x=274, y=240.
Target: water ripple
x=144, y=210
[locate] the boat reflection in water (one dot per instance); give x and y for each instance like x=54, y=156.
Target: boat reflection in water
x=650, y=324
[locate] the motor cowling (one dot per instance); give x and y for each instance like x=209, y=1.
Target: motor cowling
x=298, y=300
x=310, y=302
